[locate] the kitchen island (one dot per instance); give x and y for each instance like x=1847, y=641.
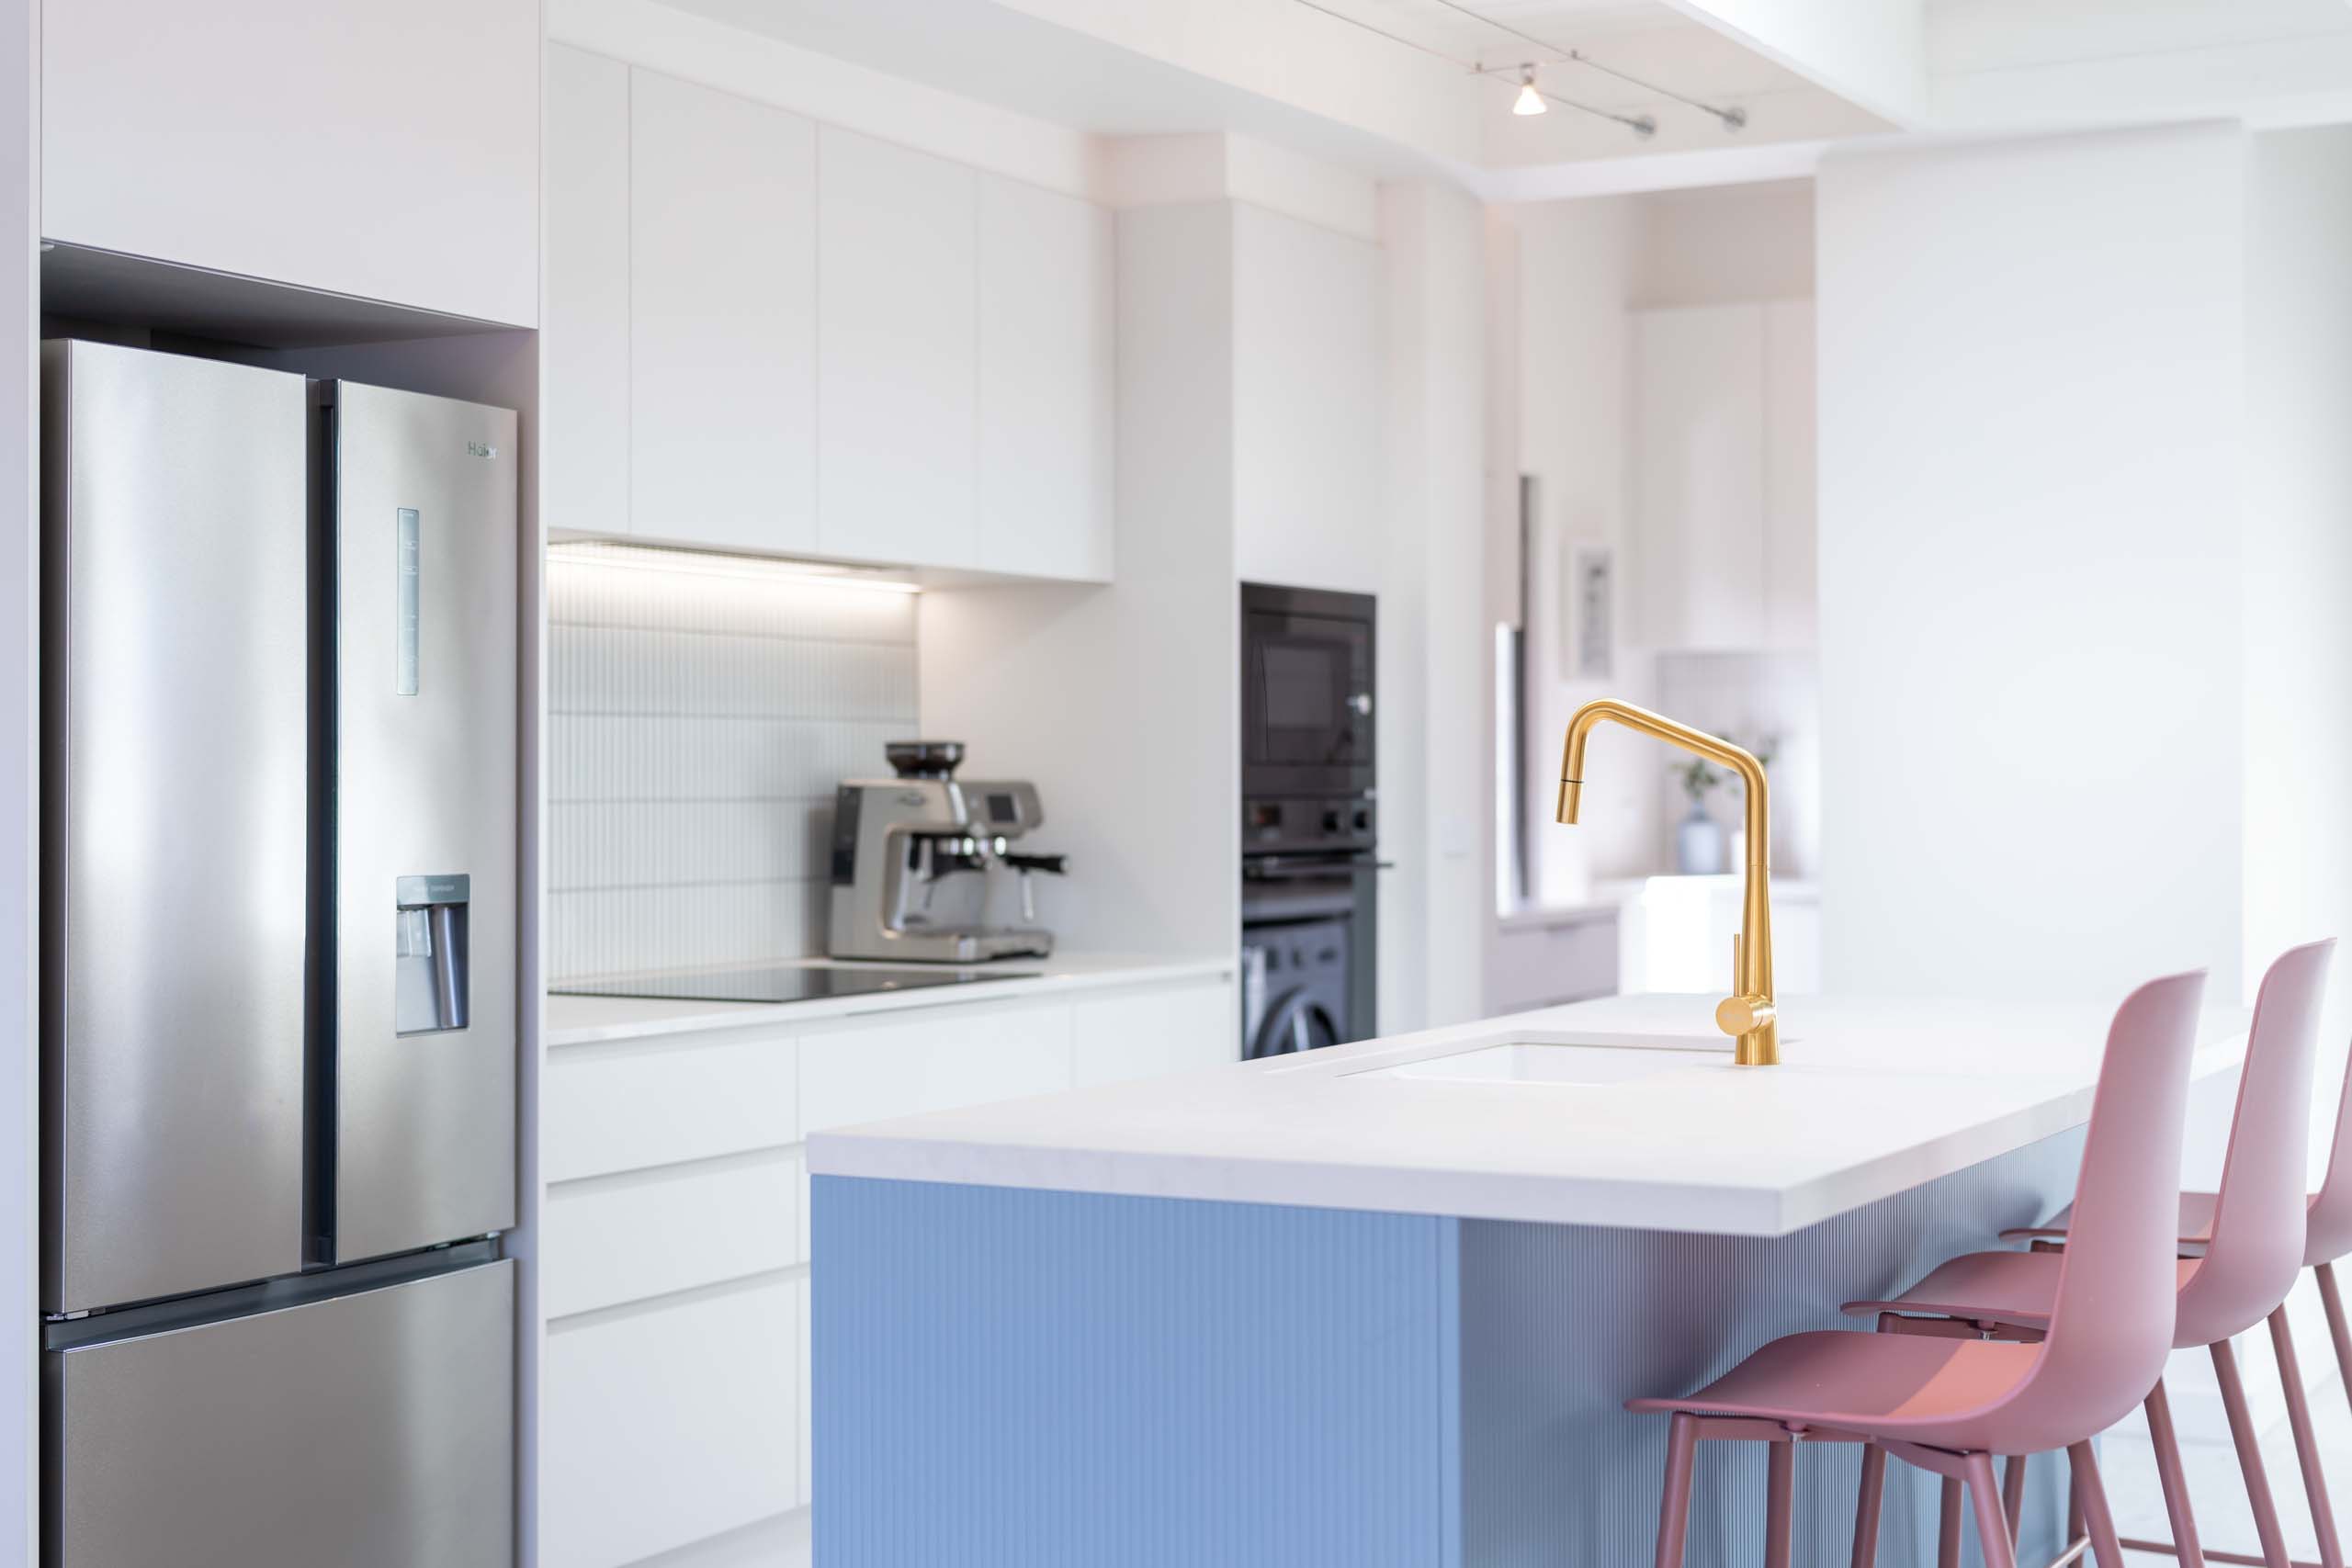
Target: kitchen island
x=1382, y=1304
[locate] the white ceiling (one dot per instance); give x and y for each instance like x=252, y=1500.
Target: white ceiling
x=1287, y=71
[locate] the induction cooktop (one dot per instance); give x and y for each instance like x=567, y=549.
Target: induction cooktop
x=777, y=983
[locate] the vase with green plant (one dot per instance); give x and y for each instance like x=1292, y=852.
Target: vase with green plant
x=1699, y=838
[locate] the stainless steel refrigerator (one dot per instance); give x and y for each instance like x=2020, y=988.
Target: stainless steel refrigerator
x=277, y=998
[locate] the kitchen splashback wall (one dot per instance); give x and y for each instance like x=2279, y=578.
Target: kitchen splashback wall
x=696, y=726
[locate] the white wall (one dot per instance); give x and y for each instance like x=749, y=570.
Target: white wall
x=1434, y=905
x=2030, y=559
x=1577, y=262
x=2297, y=540
x=1577, y=268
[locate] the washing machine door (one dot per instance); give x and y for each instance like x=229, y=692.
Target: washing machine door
x=1297, y=1022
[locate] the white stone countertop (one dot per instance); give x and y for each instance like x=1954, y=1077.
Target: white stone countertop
x=1874, y=1096
x=579, y=1020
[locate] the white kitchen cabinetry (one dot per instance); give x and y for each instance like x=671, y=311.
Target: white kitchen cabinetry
x=583, y=333
x=898, y=270
x=1144, y=1034
x=667, y=1424
x=1306, y=460
x=768, y=335
x=1723, y=476
x=1049, y=374
x=387, y=151
x=722, y=319
x=674, y=1260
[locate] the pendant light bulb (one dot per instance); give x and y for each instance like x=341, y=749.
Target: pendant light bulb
x=1529, y=101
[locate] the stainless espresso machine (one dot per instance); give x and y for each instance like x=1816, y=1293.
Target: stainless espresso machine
x=915, y=857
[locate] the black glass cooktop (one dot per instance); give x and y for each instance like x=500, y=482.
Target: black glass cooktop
x=777, y=983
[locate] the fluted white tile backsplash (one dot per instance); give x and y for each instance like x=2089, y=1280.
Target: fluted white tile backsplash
x=696, y=726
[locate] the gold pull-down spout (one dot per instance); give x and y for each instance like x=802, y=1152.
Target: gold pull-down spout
x=1747, y=1012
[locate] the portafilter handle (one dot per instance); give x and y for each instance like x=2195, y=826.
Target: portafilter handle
x=1052, y=865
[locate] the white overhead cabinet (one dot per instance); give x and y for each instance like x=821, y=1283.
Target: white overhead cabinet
x=584, y=331
x=1723, y=476
x=1048, y=381
x=722, y=317
x=1306, y=460
x=770, y=335
x=385, y=151
x=898, y=343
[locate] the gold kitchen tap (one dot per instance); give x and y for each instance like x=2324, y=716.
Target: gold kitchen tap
x=1747, y=1013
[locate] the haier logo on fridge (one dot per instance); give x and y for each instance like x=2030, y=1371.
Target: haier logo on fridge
x=481, y=449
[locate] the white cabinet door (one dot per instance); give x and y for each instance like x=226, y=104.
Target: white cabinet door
x=388, y=152
x=1148, y=1032
x=583, y=335
x=631, y=1104
x=897, y=343
x=1699, y=476
x=1306, y=460
x=653, y=1233
x=722, y=309
x=664, y=1425
x=1792, y=587
x=1047, y=388
x=934, y=1060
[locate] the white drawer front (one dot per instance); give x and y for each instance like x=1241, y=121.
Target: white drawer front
x=1147, y=1033
x=647, y=1232
x=958, y=1056
x=640, y=1103
x=663, y=1427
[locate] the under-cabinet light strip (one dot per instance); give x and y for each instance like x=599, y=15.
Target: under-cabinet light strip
x=714, y=563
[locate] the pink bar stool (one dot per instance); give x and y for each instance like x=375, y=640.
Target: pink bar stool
x=2253, y=1250
x=1950, y=1404
x=2327, y=1237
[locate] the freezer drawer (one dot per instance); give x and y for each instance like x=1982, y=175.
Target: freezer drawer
x=424, y=859
x=174, y=533
x=373, y=1430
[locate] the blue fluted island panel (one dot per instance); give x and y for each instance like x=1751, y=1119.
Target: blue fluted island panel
x=1065, y=1380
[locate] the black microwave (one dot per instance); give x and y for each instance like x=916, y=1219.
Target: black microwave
x=1306, y=692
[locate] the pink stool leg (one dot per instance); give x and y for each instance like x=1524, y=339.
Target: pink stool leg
x=1867, y=1506
x=2241, y=1432
x=2013, y=1493
x=1674, y=1505
x=2091, y=1494
x=2299, y=1418
x=2167, y=1442
x=1948, y=1526
x=1992, y=1519
x=1779, y=1496
x=2334, y=1301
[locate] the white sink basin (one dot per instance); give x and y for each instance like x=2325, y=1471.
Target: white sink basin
x=1557, y=1061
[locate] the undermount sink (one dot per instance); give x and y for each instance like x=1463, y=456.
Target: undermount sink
x=1557, y=1060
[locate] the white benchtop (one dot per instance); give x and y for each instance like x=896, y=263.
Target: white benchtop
x=1874, y=1096
x=580, y=1021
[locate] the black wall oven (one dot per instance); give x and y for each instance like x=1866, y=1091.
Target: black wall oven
x=1309, y=818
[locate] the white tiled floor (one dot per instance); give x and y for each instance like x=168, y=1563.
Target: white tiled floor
x=2217, y=1492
